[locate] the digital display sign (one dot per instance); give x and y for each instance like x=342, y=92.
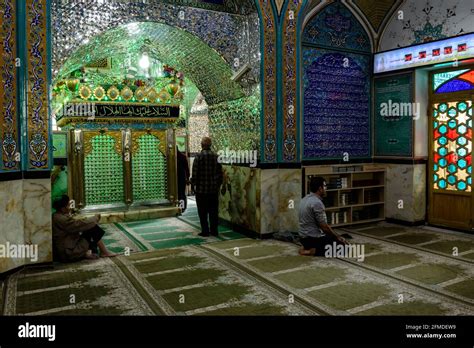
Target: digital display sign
x=449, y=50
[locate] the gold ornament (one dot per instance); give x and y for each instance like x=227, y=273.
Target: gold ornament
x=72, y=84
x=126, y=93
x=164, y=96
x=140, y=94
x=113, y=93
x=85, y=92
x=152, y=95
x=99, y=93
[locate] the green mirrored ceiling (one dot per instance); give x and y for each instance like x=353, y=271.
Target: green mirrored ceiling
x=169, y=45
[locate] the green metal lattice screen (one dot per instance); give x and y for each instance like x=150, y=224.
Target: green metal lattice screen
x=103, y=172
x=149, y=168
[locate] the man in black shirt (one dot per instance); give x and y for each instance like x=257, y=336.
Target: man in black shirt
x=206, y=180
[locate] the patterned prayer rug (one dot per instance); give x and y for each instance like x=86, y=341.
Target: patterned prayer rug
x=86, y=288
x=252, y=277
x=161, y=233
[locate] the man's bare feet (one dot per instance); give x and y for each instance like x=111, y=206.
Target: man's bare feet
x=91, y=256
x=310, y=252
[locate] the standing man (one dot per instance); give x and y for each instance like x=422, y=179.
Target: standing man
x=314, y=231
x=206, y=180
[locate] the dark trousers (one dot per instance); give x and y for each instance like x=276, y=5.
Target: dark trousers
x=208, y=206
x=182, y=200
x=319, y=243
x=93, y=236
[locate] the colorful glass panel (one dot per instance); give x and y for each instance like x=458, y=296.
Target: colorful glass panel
x=440, y=78
x=455, y=86
x=453, y=81
x=452, y=138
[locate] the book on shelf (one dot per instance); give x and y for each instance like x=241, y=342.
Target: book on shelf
x=335, y=218
x=337, y=183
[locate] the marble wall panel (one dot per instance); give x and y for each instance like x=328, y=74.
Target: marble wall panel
x=289, y=199
x=419, y=192
x=405, y=183
x=37, y=216
x=237, y=199
x=11, y=220
x=269, y=206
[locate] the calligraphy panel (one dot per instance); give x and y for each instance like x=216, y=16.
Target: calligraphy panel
x=336, y=104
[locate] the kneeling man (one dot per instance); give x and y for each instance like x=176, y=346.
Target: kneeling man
x=314, y=231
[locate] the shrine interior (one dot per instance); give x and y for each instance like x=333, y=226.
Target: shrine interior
x=107, y=102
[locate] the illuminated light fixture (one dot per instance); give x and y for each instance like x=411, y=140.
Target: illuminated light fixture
x=144, y=61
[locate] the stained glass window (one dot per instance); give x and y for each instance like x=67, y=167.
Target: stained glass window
x=453, y=81
x=452, y=138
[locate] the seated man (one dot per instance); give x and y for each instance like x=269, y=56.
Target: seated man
x=314, y=231
x=73, y=238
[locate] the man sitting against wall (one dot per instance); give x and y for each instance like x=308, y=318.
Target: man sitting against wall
x=314, y=231
x=75, y=239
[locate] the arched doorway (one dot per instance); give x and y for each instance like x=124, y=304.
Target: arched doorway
x=107, y=60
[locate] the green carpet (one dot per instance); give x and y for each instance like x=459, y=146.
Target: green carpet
x=469, y=256
x=446, y=247
x=249, y=253
x=184, y=278
x=405, y=308
x=167, y=264
x=390, y=260
x=351, y=295
x=437, y=241
x=380, y=232
x=190, y=280
x=209, y=279
x=354, y=286
x=205, y=296
x=84, y=288
x=431, y=274
x=464, y=288
x=248, y=310
x=162, y=233
x=279, y=263
x=413, y=238
x=307, y=278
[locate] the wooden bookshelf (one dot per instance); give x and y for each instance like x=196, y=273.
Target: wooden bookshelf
x=355, y=193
